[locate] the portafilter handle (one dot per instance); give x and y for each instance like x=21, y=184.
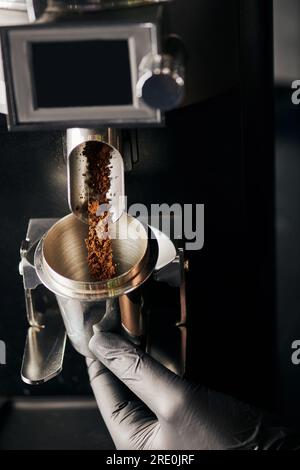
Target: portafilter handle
x=132, y=318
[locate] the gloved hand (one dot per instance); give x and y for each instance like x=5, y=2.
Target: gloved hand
x=145, y=406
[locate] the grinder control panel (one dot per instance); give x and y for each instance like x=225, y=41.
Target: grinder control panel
x=64, y=74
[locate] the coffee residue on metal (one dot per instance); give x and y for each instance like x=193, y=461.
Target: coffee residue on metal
x=98, y=243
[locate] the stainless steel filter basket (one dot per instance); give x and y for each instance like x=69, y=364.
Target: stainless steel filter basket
x=61, y=264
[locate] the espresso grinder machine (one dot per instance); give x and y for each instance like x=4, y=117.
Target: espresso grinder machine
x=181, y=91
x=100, y=71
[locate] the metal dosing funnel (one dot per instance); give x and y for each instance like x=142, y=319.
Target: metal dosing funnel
x=61, y=258
x=61, y=264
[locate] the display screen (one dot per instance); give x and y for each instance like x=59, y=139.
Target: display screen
x=81, y=73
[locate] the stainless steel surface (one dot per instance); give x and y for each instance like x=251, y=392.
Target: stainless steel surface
x=77, y=136
x=162, y=81
x=78, y=189
x=36, y=229
x=167, y=250
x=44, y=350
x=61, y=259
x=91, y=5
x=34, y=317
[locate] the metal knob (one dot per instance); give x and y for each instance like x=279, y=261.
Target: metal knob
x=162, y=77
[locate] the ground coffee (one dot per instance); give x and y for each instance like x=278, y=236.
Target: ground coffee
x=99, y=245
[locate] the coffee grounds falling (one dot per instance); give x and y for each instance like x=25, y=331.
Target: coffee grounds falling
x=100, y=256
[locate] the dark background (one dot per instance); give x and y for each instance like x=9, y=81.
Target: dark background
x=287, y=197
x=243, y=294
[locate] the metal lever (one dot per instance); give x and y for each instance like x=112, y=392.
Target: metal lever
x=46, y=337
x=44, y=350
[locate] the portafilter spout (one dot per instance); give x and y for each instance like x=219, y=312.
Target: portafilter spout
x=78, y=171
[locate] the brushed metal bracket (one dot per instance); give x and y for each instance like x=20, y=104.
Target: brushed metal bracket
x=44, y=350
x=46, y=336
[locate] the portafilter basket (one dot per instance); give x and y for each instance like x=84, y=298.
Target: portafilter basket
x=61, y=264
